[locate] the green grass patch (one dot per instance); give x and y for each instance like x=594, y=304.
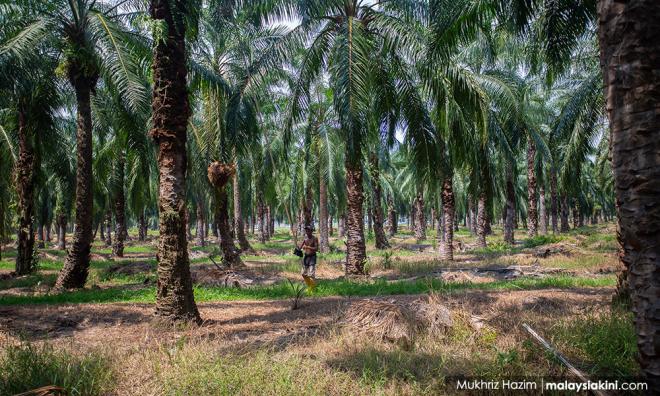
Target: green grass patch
x=195, y=371
x=28, y=281
x=541, y=240
x=42, y=264
x=26, y=367
x=327, y=288
x=606, y=343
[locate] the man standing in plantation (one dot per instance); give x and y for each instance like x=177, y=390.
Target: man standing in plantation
x=309, y=247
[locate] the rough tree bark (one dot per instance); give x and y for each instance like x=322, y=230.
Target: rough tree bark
x=377, y=210
x=341, y=225
x=447, y=247
x=543, y=223
x=25, y=174
x=76, y=266
x=142, y=228
x=219, y=174
x=270, y=221
x=510, y=192
x=199, y=229
x=472, y=215
x=61, y=231
x=261, y=218
x=107, y=223
x=630, y=60
x=481, y=220
x=554, y=205
x=420, y=221
x=564, y=214
x=230, y=254
x=243, y=242
x=391, y=217
x=532, y=214
x=170, y=111
x=119, y=209
x=356, y=254
x=41, y=235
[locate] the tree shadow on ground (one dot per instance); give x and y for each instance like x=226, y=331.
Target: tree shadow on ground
x=37, y=323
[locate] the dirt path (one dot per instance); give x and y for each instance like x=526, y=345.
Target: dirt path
x=131, y=325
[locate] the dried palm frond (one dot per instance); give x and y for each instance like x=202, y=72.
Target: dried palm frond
x=399, y=322
x=389, y=321
x=220, y=173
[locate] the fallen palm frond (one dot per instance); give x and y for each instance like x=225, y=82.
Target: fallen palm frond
x=399, y=322
x=390, y=321
x=433, y=314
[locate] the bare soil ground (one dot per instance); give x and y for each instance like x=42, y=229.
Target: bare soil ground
x=130, y=325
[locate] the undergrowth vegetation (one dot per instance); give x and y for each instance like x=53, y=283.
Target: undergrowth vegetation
x=29, y=366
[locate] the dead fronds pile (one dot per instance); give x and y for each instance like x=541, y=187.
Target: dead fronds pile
x=399, y=322
x=221, y=278
x=390, y=321
x=434, y=316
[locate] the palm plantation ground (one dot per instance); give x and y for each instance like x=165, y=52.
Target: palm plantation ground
x=102, y=339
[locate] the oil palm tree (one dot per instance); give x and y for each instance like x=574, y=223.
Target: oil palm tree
x=356, y=45
x=90, y=37
x=169, y=123
x=627, y=63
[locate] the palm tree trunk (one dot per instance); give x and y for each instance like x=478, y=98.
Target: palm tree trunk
x=76, y=266
x=261, y=218
x=411, y=217
x=630, y=64
x=119, y=209
x=188, y=228
x=553, y=199
x=142, y=228
x=509, y=220
x=230, y=256
x=369, y=221
x=341, y=226
x=307, y=206
x=471, y=221
x=174, y=296
x=25, y=191
x=107, y=223
x=47, y=227
x=532, y=214
x=324, y=243
x=420, y=221
x=356, y=254
x=481, y=220
x=377, y=210
x=391, y=217
x=199, y=233
x=40, y=236
x=564, y=214
x=271, y=221
x=61, y=231
x=238, y=216
x=216, y=221
x=543, y=223
x=447, y=245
